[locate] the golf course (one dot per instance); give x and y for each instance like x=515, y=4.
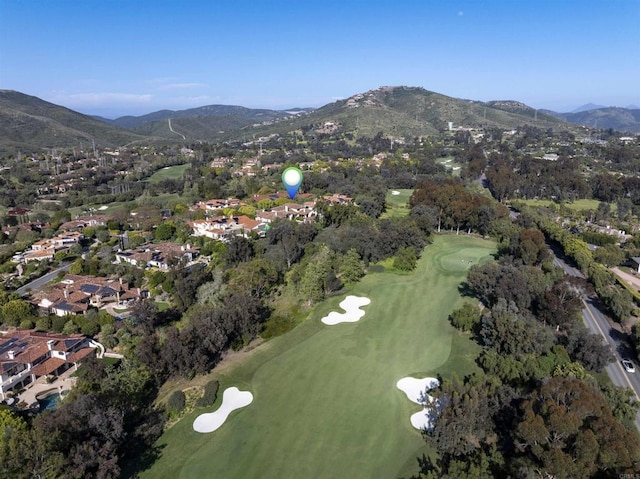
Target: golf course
x=325, y=402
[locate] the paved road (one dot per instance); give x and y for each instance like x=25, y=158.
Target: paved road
x=41, y=281
x=599, y=324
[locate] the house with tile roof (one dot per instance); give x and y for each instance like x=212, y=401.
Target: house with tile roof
x=26, y=355
x=45, y=249
x=75, y=294
x=158, y=255
x=224, y=228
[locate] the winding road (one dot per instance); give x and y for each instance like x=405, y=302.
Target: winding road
x=173, y=131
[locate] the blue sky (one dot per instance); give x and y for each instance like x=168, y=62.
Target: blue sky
x=117, y=57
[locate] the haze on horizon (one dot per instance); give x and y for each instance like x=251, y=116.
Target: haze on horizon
x=120, y=57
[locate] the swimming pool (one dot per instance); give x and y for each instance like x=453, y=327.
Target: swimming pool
x=49, y=402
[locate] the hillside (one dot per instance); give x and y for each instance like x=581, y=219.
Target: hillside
x=28, y=123
x=410, y=111
x=248, y=115
x=619, y=119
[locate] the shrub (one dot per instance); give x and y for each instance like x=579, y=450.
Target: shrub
x=26, y=324
x=406, y=259
x=465, y=318
x=176, y=401
x=209, y=395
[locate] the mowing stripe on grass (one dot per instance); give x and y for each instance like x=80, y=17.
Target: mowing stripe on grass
x=325, y=398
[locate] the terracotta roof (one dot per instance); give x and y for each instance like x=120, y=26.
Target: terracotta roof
x=32, y=353
x=80, y=355
x=48, y=366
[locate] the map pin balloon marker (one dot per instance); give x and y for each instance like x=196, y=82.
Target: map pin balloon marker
x=292, y=179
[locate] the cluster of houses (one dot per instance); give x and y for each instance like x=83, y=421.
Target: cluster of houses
x=225, y=227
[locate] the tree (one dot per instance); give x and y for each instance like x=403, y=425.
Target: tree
x=258, y=277
x=566, y=429
x=15, y=311
x=530, y=246
x=464, y=423
x=209, y=395
x=351, y=269
x=164, y=231
x=609, y=255
x=405, y=259
x=510, y=331
x=239, y=250
x=176, y=401
x=466, y=318
x=587, y=348
x=312, y=285
x=560, y=306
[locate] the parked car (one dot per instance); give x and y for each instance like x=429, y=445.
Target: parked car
x=628, y=366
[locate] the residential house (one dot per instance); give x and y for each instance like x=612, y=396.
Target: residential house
x=26, y=355
x=47, y=248
x=218, y=204
x=225, y=227
x=82, y=222
x=158, y=255
x=75, y=294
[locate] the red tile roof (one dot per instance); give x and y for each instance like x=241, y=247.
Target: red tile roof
x=48, y=366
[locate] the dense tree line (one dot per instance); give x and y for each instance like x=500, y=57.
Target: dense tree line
x=537, y=409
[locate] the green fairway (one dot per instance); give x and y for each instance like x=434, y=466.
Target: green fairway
x=169, y=173
x=577, y=205
x=325, y=401
x=397, y=205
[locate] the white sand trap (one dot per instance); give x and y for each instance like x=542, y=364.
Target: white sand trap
x=103, y=207
x=232, y=399
x=351, y=304
x=395, y=193
x=415, y=388
x=423, y=419
x=415, y=391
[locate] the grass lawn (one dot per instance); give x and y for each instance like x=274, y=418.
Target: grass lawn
x=168, y=173
x=397, y=204
x=578, y=205
x=325, y=401
x=107, y=209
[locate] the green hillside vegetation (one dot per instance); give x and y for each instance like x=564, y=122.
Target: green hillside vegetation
x=619, y=119
x=194, y=128
x=248, y=115
x=29, y=123
x=411, y=111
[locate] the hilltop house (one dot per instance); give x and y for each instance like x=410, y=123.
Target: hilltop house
x=26, y=355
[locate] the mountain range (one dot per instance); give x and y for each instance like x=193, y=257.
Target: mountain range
x=29, y=124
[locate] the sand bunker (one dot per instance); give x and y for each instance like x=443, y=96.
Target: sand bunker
x=395, y=193
x=351, y=304
x=232, y=399
x=415, y=391
x=424, y=419
x=415, y=388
